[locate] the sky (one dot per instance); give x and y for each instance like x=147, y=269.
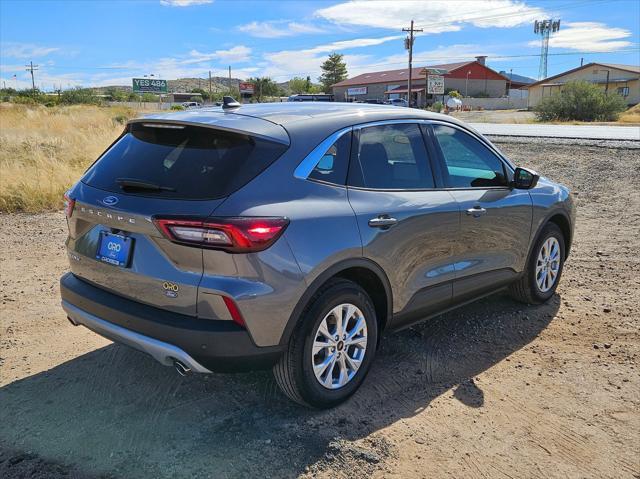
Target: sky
x=99, y=43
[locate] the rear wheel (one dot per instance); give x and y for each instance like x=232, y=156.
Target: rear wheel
x=332, y=349
x=544, y=268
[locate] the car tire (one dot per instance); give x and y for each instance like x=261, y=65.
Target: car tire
x=296, y=372
x=532, y=288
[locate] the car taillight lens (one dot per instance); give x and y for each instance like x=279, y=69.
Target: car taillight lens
x=234, y=235
x=69, y=204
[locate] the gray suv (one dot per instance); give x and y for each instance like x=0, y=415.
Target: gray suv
x=292, y=235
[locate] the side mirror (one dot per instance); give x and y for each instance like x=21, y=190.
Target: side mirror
x=524, y=179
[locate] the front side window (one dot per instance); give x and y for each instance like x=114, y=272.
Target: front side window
x=391, y=157
x=333, y=165
x=468, y=162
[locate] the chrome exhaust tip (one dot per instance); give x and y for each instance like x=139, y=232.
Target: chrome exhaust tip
x=182, y=369
x=72, y=321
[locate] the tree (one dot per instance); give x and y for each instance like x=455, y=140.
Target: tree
x=264, y=87
x=334, y=70
x=582, y=101
x=204, y=93
x=298, y=85
x=116, y=94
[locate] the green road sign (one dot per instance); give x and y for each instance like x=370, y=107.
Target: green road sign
x=149, y=85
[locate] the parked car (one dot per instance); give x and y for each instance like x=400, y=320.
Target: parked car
x=293, y=235
x=399, y=102
x=191, y=104
x=311, y=97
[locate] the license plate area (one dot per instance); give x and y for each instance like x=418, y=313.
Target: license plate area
x=114, y=249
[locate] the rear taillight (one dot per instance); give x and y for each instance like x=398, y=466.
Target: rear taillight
x=69, y=204
x=234, y=235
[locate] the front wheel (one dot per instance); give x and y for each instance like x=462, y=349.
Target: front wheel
x=331, y=351
x=544, y=268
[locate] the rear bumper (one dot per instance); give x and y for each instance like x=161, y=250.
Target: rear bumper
x=203, y=345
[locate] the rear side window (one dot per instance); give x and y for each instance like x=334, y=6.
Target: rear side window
x=187, y=162
x=334, y=164
x=391, y=157
x=468, y=162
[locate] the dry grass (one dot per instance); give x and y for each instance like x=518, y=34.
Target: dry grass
x=44, y=150
x=632, y=115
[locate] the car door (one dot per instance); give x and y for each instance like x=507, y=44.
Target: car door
x=495, y=219
x=407, y=225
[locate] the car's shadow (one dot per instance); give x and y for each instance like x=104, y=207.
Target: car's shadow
x=116, y=411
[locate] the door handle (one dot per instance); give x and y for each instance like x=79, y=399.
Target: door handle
x=382, y=222
x=476, y=211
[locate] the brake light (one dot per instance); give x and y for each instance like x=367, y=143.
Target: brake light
x=234, y=235
x=69, y=204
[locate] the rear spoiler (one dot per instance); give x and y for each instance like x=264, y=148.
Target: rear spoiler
x=226, y=121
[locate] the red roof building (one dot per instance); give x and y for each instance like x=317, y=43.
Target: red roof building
x=472, y=78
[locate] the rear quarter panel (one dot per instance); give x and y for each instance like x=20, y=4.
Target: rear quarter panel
x=322, y=231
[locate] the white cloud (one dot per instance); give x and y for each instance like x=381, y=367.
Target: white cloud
x=436, y=16
x=287, y=63
x=278, y=29
x=237, y=54
x=348, y=44
x=588, y=36
x=183, y=3
x=25, y=50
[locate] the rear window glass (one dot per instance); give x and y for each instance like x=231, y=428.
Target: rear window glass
x=189, y=162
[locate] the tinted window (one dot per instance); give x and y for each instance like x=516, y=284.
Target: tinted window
x=188, y=163
x=391, y=157
x=468, y=162
x=333, y=165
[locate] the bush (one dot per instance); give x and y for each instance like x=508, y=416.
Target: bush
x=177, y=107
x=79, y=96
x=454, y=94
x=581, y=101
x=437, y=107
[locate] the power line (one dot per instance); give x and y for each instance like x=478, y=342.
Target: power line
x=635, y=49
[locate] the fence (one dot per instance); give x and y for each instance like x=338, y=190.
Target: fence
x=495, y=103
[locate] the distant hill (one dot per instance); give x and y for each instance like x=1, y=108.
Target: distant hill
x=184, y=85
x=189, y=84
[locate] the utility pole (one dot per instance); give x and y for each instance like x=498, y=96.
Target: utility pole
x=408, y=45
x=209, y=84
x=229, y=79
x=31, y=68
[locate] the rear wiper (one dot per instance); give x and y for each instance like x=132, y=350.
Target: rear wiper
x=141, y=185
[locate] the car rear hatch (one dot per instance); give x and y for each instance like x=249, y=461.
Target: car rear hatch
x=160, y=168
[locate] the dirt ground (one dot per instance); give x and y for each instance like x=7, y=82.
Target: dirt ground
x=630, y=118
x=495, y=389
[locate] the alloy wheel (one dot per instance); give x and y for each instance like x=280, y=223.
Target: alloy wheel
x=339, y=346
x=548, y=264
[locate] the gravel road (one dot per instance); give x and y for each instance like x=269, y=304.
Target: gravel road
x=494, y=389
